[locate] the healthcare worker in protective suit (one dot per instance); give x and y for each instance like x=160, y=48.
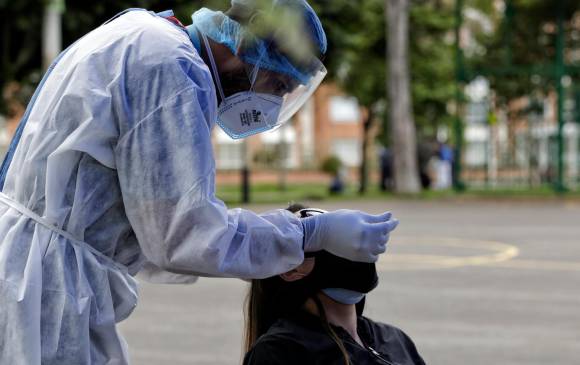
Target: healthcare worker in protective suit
x=111, y=173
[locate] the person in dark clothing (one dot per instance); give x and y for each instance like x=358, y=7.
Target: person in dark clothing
x=314, y=315
x=425, y=152
x=386, y=161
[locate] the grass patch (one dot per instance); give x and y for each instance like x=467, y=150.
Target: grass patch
x=271, y=193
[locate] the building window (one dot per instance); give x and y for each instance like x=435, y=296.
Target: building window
x=476, y=153
x=228, y=151
x=344, y=109
x=281, y=144
x=229, y=156
x=347, y=150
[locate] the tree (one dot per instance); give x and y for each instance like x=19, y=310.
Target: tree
x=525, y=37
x=20, y=22
x=357, y=34
x=530, y=54
x=403, y=131
x=355, y=59
x=432, y=68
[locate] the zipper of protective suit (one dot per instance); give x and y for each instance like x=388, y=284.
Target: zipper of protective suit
x=375, y=353
x=379, y=356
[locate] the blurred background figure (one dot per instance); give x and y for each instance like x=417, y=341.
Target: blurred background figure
x=426, y=155
x=15, y=96
x=386, y=165
x=444, y=179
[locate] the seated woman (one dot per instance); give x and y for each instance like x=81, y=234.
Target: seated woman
x=313, y=315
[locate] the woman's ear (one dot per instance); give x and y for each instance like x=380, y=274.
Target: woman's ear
x=302, y=271
x=292, y=275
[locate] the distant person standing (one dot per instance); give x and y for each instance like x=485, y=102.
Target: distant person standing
x=426, y=154
x=386, y=160
x=444, y=167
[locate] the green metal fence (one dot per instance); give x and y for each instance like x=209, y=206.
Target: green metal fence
x=533, y=139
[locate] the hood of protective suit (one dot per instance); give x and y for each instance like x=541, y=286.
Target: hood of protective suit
x=222, y=29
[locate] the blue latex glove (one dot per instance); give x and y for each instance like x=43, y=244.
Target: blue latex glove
x=351, y=234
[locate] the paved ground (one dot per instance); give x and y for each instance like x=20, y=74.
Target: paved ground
x=470, y=282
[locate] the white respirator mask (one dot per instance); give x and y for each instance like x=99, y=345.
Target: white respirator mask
x=248, y=112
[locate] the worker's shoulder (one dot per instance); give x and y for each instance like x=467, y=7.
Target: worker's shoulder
x=150, y=47
x=142, y=35
x=161, y=32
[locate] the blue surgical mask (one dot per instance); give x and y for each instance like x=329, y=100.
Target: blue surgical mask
x=344, y=296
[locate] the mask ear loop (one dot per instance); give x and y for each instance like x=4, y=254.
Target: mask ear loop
x=256, y=69
x=254, y=74
x=213, y=66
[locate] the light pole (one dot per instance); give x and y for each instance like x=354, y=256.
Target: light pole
x=52, y=31
x=245, y=172
x=559, y=73
x=460, y=78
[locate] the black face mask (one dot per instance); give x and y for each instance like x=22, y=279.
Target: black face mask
x=329, y=271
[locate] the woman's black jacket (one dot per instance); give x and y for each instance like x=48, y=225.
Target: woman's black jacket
x=302, y=339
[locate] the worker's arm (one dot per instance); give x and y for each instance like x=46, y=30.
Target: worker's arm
x=167, y=176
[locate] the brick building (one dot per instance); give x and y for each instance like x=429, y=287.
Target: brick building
x=329, y=124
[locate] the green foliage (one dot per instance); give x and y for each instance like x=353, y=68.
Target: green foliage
x=21, y=27
x=20, y=22
x=357, y=55
x=355, y=30
x=292, y=40
x=268, y=157
x=357, y=47
x=357, y=44
x=432, y=67
x=519, y=56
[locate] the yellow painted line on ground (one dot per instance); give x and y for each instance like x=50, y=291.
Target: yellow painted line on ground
x=540, y=265
x=500, y=252
x=501, y=255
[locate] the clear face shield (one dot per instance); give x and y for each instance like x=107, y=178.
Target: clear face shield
x=294, y=92
x=277, y=89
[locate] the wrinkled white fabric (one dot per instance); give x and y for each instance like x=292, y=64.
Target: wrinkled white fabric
x=117, y=153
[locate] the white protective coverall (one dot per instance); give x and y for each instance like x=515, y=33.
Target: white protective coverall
x=114, y=174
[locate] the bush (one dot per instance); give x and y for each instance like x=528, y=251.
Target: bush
x=267, y=157
x=331, y=165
